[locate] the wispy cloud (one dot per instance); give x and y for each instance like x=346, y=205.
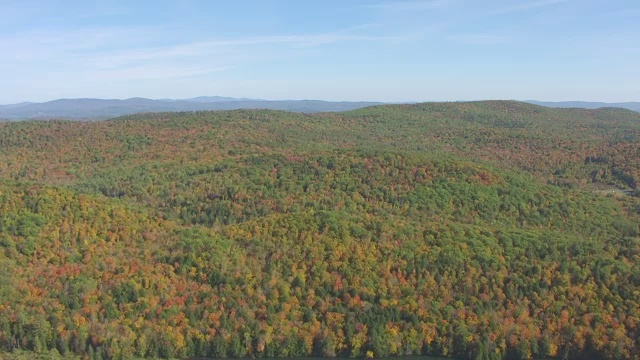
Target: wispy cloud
x=411, y=5
x=155, y=72
x=51, y=44
x=224, y=47
x=124, y=53
x=478, y=39
x=527, y=5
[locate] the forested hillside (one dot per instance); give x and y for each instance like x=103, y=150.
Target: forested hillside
x=482, y=230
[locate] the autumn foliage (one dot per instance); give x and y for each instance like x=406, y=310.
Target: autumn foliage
x=472, y=230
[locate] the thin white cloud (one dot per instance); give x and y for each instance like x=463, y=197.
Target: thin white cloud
x=51, y=44
x=411, y=5
x=526, y=5
x=478, y=39
x=154, y=72
x=124, y=53
x=107, y=48
x=223, y=47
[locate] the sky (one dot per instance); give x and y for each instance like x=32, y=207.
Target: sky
x=415, y=50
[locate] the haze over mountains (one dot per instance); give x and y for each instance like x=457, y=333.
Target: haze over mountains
x=635, y=106
x=107, y=108
x=99, y=109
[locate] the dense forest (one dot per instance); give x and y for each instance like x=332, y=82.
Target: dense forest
x=482, y=230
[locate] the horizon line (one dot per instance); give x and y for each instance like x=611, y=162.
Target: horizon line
x=232, y=98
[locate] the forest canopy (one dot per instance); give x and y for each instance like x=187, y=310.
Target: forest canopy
x=482, y=230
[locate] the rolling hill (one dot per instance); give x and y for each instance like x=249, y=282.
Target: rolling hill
x=472, y=230
x=101, y=109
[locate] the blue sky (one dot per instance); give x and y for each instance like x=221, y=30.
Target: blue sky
x=416, y=50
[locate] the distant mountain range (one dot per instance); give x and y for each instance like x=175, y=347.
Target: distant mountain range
x=635, y=106
x=97, y=109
